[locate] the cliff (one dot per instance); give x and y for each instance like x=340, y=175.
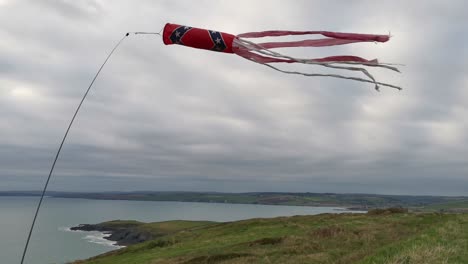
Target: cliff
x=128, y=232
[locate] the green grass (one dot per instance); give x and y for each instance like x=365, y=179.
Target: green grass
x=327, y=238
x=122, y=223
x=448, y=205
x=170, y=227
x=158, y=228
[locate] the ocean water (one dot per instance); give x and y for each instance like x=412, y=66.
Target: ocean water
x=52, y=242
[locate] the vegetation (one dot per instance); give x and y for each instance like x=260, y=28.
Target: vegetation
x=128, y=232
x=381, y=236
x=355, y=201
x=157, y=228
x=453, y=206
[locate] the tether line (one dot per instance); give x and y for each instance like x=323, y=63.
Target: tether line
x=61, y=145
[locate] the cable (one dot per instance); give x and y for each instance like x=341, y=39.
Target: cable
x=61, y=145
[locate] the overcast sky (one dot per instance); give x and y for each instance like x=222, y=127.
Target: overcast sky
x=173, y=118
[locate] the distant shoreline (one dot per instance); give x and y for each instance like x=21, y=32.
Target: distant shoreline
x=353, y=202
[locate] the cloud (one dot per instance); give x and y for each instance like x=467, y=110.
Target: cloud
x=170, y=117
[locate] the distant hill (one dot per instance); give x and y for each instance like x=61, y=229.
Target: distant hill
x=351, y=201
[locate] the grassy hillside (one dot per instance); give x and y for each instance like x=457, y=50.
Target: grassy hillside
x=455, y=206
x=381, y=237
x=128, y=232
x=157, y=228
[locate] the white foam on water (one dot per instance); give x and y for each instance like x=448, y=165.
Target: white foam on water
x=95, y=237
x=99, y=238
x=65, y=229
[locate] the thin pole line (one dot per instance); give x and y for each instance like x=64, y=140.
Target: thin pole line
x=61, y=145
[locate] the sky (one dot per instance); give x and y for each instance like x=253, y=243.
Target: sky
x=167, y=118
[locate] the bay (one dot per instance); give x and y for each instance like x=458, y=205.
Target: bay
x=52, y=243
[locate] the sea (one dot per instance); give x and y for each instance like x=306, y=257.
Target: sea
x=53, y=242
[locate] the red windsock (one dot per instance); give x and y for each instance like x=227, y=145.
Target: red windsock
x=263, y=52
x=198, y=38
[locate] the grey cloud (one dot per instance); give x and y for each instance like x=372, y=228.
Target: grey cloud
x=173, y=118
x=73, y=9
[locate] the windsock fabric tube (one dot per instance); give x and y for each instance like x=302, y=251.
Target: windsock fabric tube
x=263, y=53
x=198, y=38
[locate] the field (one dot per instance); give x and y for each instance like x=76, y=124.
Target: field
x=355, y=201
x=380, y=236
x=420, y=203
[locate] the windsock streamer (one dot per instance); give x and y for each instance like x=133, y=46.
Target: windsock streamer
x=263, y=53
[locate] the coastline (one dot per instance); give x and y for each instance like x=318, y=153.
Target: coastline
x=129, y=232
x=72, y=212
x=350, y=201
x=119, y=235
x=96, y=237
x=379, y=236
